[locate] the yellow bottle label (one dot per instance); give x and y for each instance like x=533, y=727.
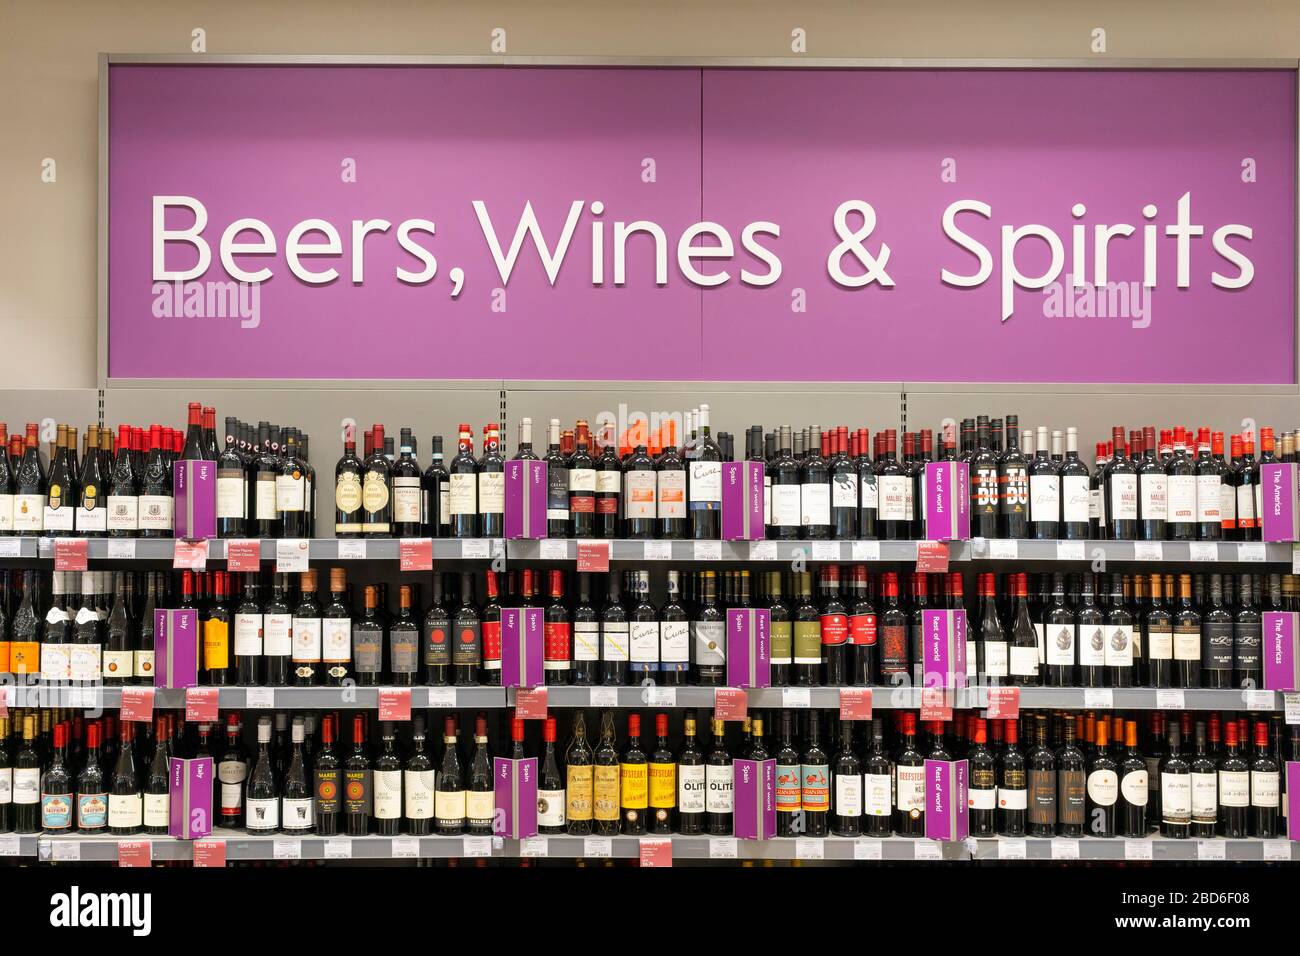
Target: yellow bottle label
x=663, y=785
x=216, y=645
x=578, y=794
x=606, y=804
x=634, y=779
x=25, y=657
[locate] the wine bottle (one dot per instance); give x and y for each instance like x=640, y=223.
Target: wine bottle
x=60, y=506
x=582, y=489
x=263, y=798
x=1022, y=638
x=814, y=495
x=834, y=625
x=462, y=498
x=644, y=635
x=327, y=777
x=1265, y=783
x=634, y=780
x=408, y=498
x=157, y=796
x=1247, y=637
x=388, y=783
x=982, y=792
x=719, y=777
x=709, y=634
x=1013, y=790
x=56, y=786
x=704, y=483
x=663, y=780
x=1071, y=783
x=1105, y=809
x=1042, y=781
x=1187, y=637
x=789, y=781
x=807, y=634
x=909, y=781
x=1175, y=789
x=277, y=633
x=368, y=642
x=56, y=641
x=551, y=790
x=558, y=652
x=92, y=793
x=606, y=779
x=296, y=798
x=480, y=806
x=27, y=781
x=1205, y=788
x=358, y=783
x=578, y=780
x=1119, y=650
x=781, y=631
x=846, y=771
x=1235, y=809
x=249, y=634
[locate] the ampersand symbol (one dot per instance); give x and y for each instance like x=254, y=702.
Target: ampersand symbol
x=852, y=244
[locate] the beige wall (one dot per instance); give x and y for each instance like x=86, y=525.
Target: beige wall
x=48, y=87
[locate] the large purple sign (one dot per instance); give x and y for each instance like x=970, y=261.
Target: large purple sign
x=855, y=225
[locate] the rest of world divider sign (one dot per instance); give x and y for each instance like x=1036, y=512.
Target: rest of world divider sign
x=712, y=224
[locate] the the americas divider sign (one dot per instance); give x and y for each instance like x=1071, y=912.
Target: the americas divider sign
x=722, y=224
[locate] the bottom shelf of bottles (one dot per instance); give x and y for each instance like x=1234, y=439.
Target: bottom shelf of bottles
x=243, y=846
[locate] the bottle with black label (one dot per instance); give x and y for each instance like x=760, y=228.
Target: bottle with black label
x=368, y=642
x=358, y=784
x=983, y=788
x=1247, y=637
x=1042, y=783
x=327, y=777
x=1071, y=784
x=1217, y=636
x=466, y=626
x=1013, y=485
x=1013, y=788
x=403, y=642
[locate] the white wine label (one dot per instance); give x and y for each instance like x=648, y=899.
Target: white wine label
x=848, y=795
x=231, y=497
x=157, y=809
x=586, y=641
x=1075, y=499
x=6, y=512
x=691, y=789
x=123, y=513
x=1209, y=499
x=248, y=635
x=462, y=497
x=1024, y=661
x=492, y=492
x=94, y=519
x=844, y=490
x=1234, y=788
x=675, y=641
x=641, y=494
x=672, y=494
x=894, y=491
x=815, y=504
x=1155, y=497
x=419, y=794
x=1103, y=787
x=388, y=794
x=306, y=639
x=277, y=635
x=1015, y=799
x=706, y=481
x=582, y=479
x=982, y=798
x=879, y=794
x=336, y=639
x=1264, y=788
x=406, y=499
x=1205, y=791
x=1136, y=787
x=1123, y=503
x=1182, y=499
x=29, y=511
x=608, y=482
x=59, y=519
x=719, y=782
x=550, y=808
x=1045, y=498
x=786, y=506
x=125, y=810
x=290, y=493
x=297, y=812
x=260, y=814
x=1119, y=646
x=614, y=641
x=644, y=640
x=155, y=512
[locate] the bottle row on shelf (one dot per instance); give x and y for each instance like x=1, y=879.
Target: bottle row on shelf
x=1044, y=774
x=818, y=484
x=839, y=626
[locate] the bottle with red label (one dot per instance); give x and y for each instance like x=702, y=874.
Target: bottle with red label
x=557, y=656
x=835, y=630
x=863, y=662
x=491, y=632
x=893, y=631
x=466, y=627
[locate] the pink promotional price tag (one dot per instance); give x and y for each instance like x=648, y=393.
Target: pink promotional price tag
x=932, y=557
x=70, y=554
x=133, y=853
x=855, y=703
x=243, y=555
x=730, y=703
x=530, y=703
x=1004, y=703
x=395, y=704
x=656, y=853
x=190, y=556
x=935, y=704
x=416, y=554
x=593, y=556
x=210, y=853
x=201, y=705
x=137, y=704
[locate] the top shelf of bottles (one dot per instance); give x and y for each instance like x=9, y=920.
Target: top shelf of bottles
x=976, y=550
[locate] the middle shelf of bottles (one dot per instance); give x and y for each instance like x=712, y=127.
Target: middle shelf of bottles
x=241, y=846
x=652, y=696
x=566, y=549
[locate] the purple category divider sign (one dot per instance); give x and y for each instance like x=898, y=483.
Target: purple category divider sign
x=1281, y=650
x=945, y=648
x=864, y=251
x=1280, y=501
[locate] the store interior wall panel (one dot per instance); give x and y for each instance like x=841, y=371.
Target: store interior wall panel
x=69, y=406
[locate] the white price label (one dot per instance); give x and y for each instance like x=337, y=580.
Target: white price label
x=1295, y=559
x=1211, y=850
x=287, y=850
x=442, y=697
x=1137, y=849
x=338, y=849
x=1173, y=699
x=1291, y=704
x=1001, y=549
x=1070, y=551
x=1250, y=551
x=865, y=550
x=661, y=696
x=927, y=850
x=1148, y=551
x=825, y=550
x=352, y=550
x=259, y=697
x=478, y=549
x=291, y=555
x=13, y=547
x=796, y=697
x=867, y=849
x=1259, y=699
x=1203, y=551
x=553, y=550
x=67, y=850
x=121, y=549
x=708, y=551
x=723, y=848
x=1277, y=849
x=10, y=844
x=762, y=550
x=478, y=846
x=1101, y=698
x=405, y=849
x=597, y=847
x=604, y=697
x=1012, y=848
x=658, y=550
x=809, y=848
x=535, y=846
x=1064, y=849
